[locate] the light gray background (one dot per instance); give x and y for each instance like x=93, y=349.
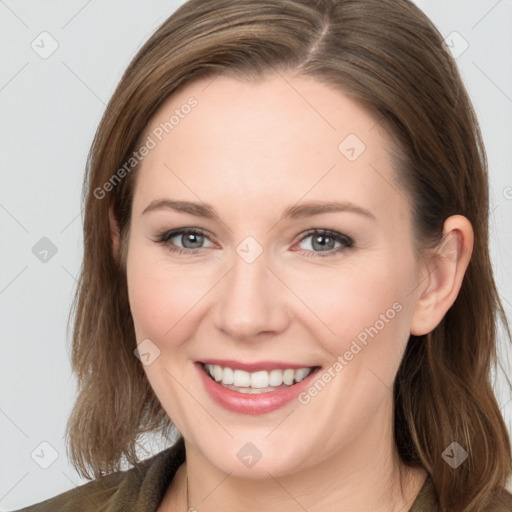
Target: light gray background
x=49, y=111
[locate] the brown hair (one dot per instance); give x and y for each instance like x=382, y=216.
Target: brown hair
x=388, y=56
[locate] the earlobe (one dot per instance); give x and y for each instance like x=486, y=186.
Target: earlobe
x=114, y=234
x=445, y=269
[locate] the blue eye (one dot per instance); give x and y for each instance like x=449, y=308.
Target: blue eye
x=191, y=240
x=323, y=241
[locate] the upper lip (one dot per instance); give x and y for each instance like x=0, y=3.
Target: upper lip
x=256, y=365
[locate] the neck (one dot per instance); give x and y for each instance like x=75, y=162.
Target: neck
x=364, y=474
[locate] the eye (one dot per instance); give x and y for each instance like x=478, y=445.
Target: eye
x=191, y=240
x=324, y=241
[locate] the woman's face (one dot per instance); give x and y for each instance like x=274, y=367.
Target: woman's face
x=251, y=284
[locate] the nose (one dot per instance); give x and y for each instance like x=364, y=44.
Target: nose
x=252, y=301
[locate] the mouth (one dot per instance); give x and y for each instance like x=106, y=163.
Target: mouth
x=256, y=388
x=256, y=382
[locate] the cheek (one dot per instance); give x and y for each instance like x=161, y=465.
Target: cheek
x=360, y=308
x=160, y=295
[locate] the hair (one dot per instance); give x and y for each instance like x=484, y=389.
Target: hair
x=389, y=57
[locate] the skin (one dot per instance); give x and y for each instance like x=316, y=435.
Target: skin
x=250, y=150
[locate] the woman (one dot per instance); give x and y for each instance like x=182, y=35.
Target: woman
x=286, y=222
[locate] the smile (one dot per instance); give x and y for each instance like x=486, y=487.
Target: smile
x=254, y=392
x=255, y=382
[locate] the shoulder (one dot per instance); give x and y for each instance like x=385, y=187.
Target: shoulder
x=501, y=502
x=427, y=500
x=139, y=488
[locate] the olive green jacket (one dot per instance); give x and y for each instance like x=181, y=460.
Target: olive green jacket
x=142, y=488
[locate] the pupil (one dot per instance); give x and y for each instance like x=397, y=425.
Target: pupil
x=317, y=240
x=192, y=240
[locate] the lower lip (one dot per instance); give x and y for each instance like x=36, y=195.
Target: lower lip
x=253, y=404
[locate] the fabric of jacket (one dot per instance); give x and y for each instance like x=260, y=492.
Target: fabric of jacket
x=142, y=488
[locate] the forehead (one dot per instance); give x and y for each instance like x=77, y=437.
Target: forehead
x=278, y=139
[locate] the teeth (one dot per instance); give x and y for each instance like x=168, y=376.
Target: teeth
x=259, y=379
x=248, y=381
x=228, y=377
x=275, y=377
x=241, y=379
x=288, y=376
x=217, y=373
x=302, y=373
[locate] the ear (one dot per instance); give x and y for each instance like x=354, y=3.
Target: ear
x=445, y=268
x=114, y=233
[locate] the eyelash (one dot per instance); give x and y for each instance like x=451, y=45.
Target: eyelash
x=346, y=241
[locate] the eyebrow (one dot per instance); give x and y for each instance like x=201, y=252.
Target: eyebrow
x=297, y=211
